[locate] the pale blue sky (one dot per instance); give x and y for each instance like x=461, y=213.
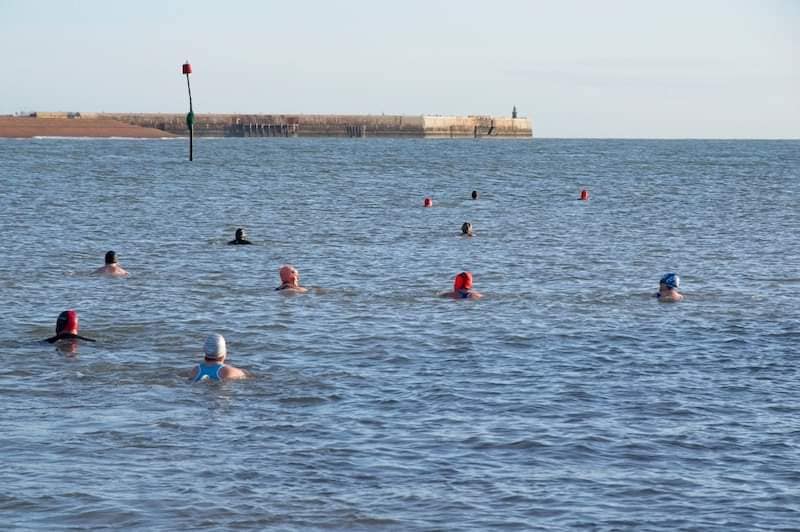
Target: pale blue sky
x=613, y=68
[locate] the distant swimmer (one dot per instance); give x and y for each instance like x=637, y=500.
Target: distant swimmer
x=290, y=279
x=668, y=288
x=240, y=238
x=462, y=288
x=67, y=328
x=428, y=202
x=466, y=229
x=213, y=367
x=112, y=268
x=474, y=194
x=584, y=195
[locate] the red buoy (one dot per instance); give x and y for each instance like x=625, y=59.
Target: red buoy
x=584, y=195
x=187, y=68
x=428, y=202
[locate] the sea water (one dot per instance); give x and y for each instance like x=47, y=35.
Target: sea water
x=567, y=398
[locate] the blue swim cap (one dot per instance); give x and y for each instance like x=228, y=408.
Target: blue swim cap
x=671, y=280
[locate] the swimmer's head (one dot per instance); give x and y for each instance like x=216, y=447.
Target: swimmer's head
x=214, y=348
x=67, y=322
x=466, y=228
x=111, y=257
x=671, y=280
x=427, y=203
x=474, y=194
x=240, y=234
x=289, y=274
x=463, y=281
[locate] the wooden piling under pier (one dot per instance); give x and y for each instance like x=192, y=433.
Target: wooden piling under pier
x=260, y=129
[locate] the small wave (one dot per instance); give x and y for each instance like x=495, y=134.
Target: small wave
x=303, y=401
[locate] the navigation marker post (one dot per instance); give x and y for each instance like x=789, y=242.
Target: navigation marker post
x=187, y=69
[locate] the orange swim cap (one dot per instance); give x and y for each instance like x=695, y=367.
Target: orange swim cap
x=67, y=322
x=463, y=281
x=288, y=274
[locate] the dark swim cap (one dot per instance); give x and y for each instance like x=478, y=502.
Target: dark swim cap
x=671, y=280
x=239, y=234
x=111, y=257
x=67, y=322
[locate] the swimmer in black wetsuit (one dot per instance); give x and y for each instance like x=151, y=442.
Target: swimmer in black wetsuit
x=241, y=238
x=474, y=194
x=466, y=229
x=67, y=328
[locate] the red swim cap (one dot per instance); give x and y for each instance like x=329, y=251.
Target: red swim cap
x=463, y=281
x=428, y=202
x=67, y=322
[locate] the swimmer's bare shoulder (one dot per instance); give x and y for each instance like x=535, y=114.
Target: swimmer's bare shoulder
x=109, y=271
x=455, y=295
x=229, y=372
x=293, y=290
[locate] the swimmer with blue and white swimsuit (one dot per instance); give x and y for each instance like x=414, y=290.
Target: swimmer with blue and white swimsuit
x=213, y=367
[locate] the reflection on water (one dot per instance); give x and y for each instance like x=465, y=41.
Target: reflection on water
x=67, y=348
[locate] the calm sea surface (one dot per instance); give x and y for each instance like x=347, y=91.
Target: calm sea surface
x=566, y=398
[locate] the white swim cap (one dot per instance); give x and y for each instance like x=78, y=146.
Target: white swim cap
x=214, y=347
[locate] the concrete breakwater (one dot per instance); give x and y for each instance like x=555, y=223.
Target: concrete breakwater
x=268, y=125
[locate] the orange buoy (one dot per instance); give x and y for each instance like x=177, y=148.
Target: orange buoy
x=584, y=195
x=427, y=203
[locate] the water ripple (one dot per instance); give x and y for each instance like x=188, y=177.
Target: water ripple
x=566, y=398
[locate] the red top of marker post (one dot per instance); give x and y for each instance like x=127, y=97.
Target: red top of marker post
x=187, y=68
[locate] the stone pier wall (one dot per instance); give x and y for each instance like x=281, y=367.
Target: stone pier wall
x=269, y=125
